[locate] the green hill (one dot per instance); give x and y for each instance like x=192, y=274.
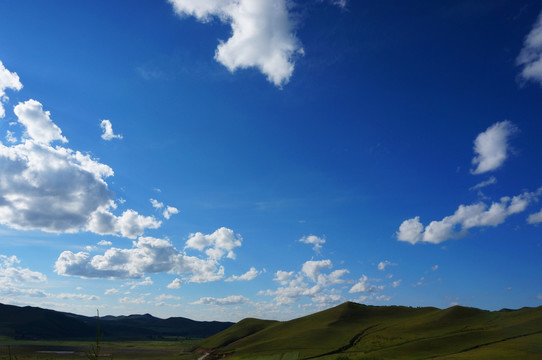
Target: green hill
x=389, y=332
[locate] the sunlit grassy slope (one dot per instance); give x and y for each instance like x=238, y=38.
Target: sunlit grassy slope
x=387, y=332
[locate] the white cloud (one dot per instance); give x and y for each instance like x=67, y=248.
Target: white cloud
x=530, y=56
x=175, y=284
x=10, y=137
x=219, y=243
x=535, y=218
x=249, y=275
x=56, y=189
x=491, y=147
x=130, y=300
x=111, y=292
x=50, y=189
x=167, y=297
x=283, y=276
x=363, y=286
x=105, y=243
x=7, y=289
x=383, y=264
x=333, y=278
x=464, y=218
x=294, y=286
x=492, y=180
x=396, y=283
x=147, y=256
x=156, y=204
x=108, y=133
x=170, y=210
x=130, y=224
x=14, y=279
x=262, y=34
x=313, y=268
x=328, y=299
x=434, y=268
x=38, y=123
x=315, y=241
x=18, y=274
x=230, y=300
x=78, y=297
x=410, y=230
x=8, y=80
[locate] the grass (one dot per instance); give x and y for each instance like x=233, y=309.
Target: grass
x=121, y=350
x=347, y=332
x=358, y=332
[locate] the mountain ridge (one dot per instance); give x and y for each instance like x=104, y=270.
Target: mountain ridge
x=35, y=323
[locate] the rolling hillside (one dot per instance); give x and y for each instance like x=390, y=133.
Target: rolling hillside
x=388, y=332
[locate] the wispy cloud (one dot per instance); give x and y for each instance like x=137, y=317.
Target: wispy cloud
x=249, y=275
x=492, y=180
x=535, y=218
x=230, y=300
x=384, y=264
x=14, y=280
x=530, y=56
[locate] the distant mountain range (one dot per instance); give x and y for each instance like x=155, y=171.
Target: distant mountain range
x=355, y=331
x=33, y=323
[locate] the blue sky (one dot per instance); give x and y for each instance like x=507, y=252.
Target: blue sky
x=221, y=159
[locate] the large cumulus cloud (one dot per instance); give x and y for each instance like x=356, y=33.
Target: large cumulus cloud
x=56, y=189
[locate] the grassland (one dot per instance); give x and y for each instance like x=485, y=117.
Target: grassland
x=360, y=332
x=122, y=350
x=347, y=332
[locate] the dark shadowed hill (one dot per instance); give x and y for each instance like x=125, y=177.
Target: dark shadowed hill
x=36, y=323
x=387, y=332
